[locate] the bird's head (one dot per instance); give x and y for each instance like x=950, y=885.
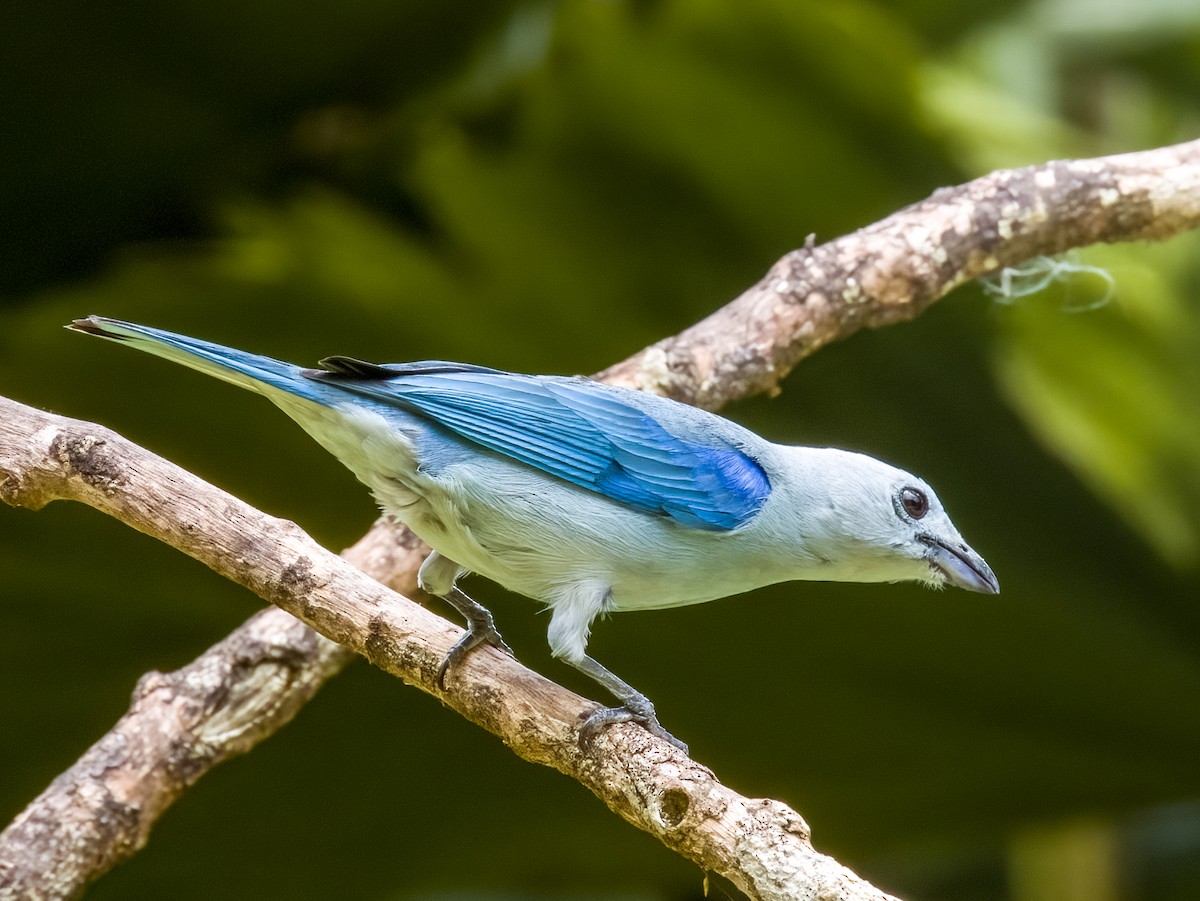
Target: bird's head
x=871, y=522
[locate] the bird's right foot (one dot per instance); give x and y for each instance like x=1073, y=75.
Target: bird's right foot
x=634, y=712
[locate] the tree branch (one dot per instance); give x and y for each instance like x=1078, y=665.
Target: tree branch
x=893, y=270
x=644, y=779
x=244, y=688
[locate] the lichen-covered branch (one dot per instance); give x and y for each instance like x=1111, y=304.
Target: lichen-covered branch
x=761, y=845
x=893, y=270
x=93, y=815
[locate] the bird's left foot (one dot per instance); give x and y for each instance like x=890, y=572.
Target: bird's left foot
x=481, y=629
x=635, y=710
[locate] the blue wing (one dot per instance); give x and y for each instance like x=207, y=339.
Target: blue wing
x=577, y=430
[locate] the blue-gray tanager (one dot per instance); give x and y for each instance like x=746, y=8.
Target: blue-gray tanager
x=589, y=497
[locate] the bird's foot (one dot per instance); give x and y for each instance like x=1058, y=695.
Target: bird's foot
x=480, y=630
x=635, y=710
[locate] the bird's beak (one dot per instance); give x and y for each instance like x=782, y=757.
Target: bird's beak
x=960, y=565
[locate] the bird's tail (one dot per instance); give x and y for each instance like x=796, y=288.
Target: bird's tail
x=246, y=370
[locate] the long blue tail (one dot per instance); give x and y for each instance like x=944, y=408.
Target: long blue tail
x=246, y=370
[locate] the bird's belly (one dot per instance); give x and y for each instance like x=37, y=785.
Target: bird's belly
x=539, y=546
x=649, y=587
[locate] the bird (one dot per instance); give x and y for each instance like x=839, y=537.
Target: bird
x=588, y=497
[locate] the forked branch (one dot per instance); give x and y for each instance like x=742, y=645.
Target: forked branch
x=243, y=689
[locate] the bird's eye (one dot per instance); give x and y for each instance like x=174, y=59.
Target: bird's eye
x=914, y=502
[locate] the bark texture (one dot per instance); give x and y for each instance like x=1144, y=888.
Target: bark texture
x=183, y=723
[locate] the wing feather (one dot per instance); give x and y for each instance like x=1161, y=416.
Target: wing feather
x=579, y=431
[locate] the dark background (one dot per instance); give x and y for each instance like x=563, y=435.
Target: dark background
x=548, y=188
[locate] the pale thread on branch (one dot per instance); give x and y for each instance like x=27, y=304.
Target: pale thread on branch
x=243, y=689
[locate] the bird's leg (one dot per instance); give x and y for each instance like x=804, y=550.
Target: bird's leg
x=635, y=706
x=480, y=628
x=437, y=576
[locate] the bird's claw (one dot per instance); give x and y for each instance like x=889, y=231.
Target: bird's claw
x=597, y=720
x=479, y=632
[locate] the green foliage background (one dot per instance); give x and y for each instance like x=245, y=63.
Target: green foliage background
x=549, y=187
